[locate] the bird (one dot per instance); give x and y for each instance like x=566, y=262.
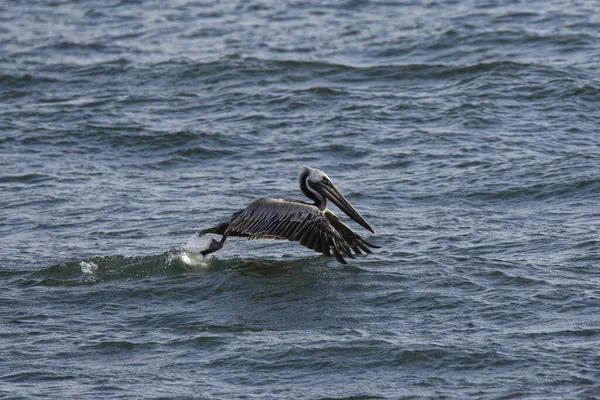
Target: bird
x=312, y=224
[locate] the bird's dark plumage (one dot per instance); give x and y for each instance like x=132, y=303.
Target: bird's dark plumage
x=313, y=225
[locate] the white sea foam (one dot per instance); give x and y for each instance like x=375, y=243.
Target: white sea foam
x=190, y=252
x=88, y=267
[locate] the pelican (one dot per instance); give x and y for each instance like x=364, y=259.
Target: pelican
x=311, y=224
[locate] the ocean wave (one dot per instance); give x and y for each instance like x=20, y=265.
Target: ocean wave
x=108, y=268
x=94, y=270
x=581, y=188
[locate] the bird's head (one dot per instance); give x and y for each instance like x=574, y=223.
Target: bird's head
x=317, y=185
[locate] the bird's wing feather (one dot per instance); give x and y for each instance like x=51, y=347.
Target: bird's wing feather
x=351, y=238
x=292, y=220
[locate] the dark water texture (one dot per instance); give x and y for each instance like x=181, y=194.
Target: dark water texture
x=466, y=132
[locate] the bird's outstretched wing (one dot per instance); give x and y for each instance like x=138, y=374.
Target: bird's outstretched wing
x=351, y=238
x=297, y=221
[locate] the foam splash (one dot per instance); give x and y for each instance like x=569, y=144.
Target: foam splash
x=88, y=267
x=190, y=252
x=89, y=271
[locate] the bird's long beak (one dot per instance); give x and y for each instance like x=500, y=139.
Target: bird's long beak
x=334, y=194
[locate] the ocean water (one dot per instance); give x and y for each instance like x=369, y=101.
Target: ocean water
x=465, y=132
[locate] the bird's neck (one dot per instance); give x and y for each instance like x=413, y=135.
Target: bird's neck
x=319, y=201
x=321, y=204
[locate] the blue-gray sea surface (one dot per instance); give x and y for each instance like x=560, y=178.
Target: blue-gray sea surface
x=465, y=132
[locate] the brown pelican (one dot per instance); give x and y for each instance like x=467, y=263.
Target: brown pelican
x=311, y=224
